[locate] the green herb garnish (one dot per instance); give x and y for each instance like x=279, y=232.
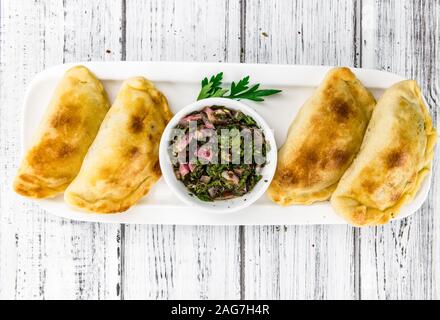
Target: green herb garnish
x=213, y=88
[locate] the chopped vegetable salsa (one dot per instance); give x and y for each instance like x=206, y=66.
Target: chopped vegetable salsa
x=218, y=153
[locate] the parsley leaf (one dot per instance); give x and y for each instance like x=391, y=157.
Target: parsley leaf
x=212, y=88
x=240, y=90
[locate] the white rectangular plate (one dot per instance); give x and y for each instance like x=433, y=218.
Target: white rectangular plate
x=180, y=82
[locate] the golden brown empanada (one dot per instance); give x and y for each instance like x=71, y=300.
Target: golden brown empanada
x=394, y=158
x=69, y=126
x=123, y=161
x=322, y=140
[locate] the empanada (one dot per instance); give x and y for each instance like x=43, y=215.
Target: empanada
x=322, y=140
x=69, y=126
x=394, y=158
x=123, y=161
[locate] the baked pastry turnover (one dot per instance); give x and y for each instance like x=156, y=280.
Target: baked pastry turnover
x=123, y=161
x=322, y=140
x=394, y=158
x=69, y=126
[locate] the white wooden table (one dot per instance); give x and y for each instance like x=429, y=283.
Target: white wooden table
x=42, y=256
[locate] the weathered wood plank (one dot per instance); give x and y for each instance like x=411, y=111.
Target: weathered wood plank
x=300, y=262
x=43, y=256
x=171, y=262
x=400, y=260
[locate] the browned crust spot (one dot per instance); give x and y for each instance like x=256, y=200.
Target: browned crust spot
x=136, y=124
x=395, y=158
x=156, y=169
x=65, y=118
x=65, y=150
x=341, y=109
x=289, y=177
x=340, y=157
x=133, y=152
x=49, y=149
x=370, y=186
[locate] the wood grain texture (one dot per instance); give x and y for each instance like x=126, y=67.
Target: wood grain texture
x=300, y=262
x=43, y=256
x=172, y=262
x=401, y=260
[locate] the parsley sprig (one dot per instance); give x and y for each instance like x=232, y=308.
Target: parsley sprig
x=240, y=90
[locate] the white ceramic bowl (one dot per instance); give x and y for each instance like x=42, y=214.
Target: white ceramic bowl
x=219, y=206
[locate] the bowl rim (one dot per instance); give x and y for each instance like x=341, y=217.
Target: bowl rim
x=219, y=206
